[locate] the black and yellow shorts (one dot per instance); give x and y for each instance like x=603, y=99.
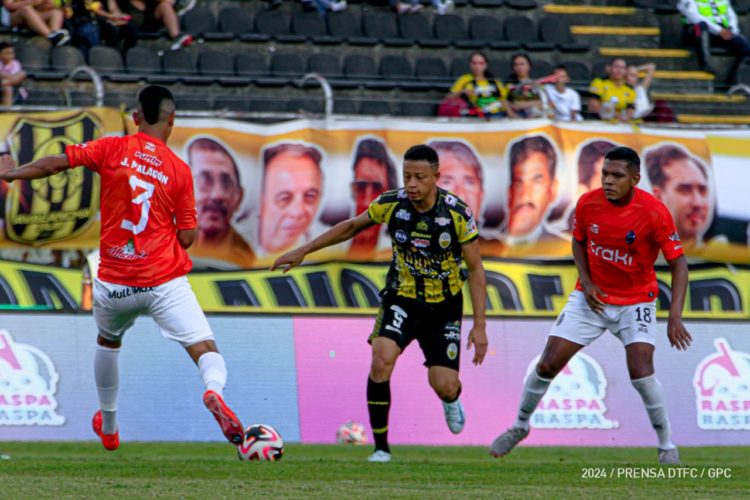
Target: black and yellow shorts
x=436, y=326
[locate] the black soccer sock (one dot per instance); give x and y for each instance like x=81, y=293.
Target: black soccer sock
x=378, y=404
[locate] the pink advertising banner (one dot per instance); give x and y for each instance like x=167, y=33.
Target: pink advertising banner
x=591, y=403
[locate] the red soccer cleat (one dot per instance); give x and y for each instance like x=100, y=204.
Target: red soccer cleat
x=110, y=441
x=228, y=421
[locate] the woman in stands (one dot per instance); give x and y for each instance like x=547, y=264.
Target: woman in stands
x=484, y=94
x=524, y=98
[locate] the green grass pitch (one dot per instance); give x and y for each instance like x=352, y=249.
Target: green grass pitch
x=212, y=470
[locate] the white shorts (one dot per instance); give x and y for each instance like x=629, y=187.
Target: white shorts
x=172, y=305
x=578, y=323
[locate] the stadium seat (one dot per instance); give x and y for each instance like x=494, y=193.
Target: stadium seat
x=396, y=68
x=453, y=28
x=374, y=107
x=200, y=22
x=215, y=63
x=382, y=26
x=108, y=63
x=142, y=61
x=267, y=105
x=417, y=28
x=360, y=69
x=66, y=58
x=540, y=69
x=178, y=62
x=522, y=30
x=487, y=3
x=432, y=73
x=306, y=105
x=230, y=103
x=46, y=97
x=325, y=64
x=500, y=68
x=488, y=31
x=117, y=99
x=521, y=4
x=741, y=7
x=249, y=64
x=276, y=25
x=313, y=27
x=80, y=99
x=578, y=71
x=192, y=102
x=347, y=26
x=345, y=107
x=557, y=32
x=237, y=21
x=412, y=108
x=289, y=65
x=33, y=58
x=459, y=67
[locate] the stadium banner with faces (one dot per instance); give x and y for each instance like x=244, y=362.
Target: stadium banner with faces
x=590, y=403
x=62, y=211
x=522, y=288
x=48, y=393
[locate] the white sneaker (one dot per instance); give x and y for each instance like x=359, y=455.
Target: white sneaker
x=415, y=7
x=379, y=456
x=403, y=8
x=338, y=6
x=445, y=7
x=454, y=416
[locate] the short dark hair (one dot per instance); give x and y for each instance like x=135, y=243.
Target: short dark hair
x=562, y=67
x=617, y=58
x=5, y=45
x=207, y=144
x=293, y=149
x=375, y=149
x=629, y=156
x=150, y=99
x=421, y=152
x=589, y=155
x=463, y=153
x=535, y=144
x=658, y=158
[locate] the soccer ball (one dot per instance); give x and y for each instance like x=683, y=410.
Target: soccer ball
x=262, y=442
x=351, y=433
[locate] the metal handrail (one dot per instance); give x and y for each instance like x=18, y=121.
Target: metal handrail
x=327, y=90
x=95, y=79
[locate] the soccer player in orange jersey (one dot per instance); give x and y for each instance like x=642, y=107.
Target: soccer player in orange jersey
x=147, y=221
x=618, y=231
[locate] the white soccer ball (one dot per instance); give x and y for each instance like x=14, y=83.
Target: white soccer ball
x=262, y=442
x=351, y=433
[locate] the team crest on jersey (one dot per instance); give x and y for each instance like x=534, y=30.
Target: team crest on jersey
x=403, y=214
x=442, y=221
x=575, y=399
x=630, y=238
x=452, y=351
x=444, y=240
x=451, y=200
x=59, y=207
x=722, y=389
x=28, y=384
x=594, y=228
x=402, y=193
x=401, y=236
x=150, y=147
x=674, y=237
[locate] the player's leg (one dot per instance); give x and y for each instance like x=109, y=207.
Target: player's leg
x=176, y=310
x=388, y=340
x=636, y=328
x=576, y=327
x=115, y=312
x=446, y=384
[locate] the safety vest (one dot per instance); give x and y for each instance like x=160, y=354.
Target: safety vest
x=715, y=10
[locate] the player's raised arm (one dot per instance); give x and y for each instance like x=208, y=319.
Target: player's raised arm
x=676, y=331
x=342, y=231
x=37, y=169
x=478, y=290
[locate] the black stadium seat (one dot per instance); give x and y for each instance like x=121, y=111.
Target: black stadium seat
x=578, y=71
x=432, y=73
x=142, y=61
x=305, y=105
x=347, y=26
x=459, y=67
x=395, y=68
x=417, y=28
x=523, y=30
x=33, y=58
x=453, y=28
x=267, y=105
x=200, y=22
x=488, y=31
x=105, y=60
x=250, y=64
x=415, y=108
x=556, y=31
x=178, y=62
x=487, y=3
x=66, y=58
x=540, y=69
x=521, y=4
x=290, y=65
x=230, y=103
x=359, y=66
x=374, y=107
x=325, y=64
x=216, y=63
x=382, y=26
x=312, y=27
x=235, y=20
x=192, y=102
x=275, y=24
x=345, y=107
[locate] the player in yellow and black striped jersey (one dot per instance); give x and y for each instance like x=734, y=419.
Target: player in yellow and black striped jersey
x=432, y=231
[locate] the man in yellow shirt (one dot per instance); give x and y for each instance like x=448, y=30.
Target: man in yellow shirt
x=612, y=98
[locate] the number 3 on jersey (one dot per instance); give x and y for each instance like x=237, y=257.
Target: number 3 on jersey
x=142, y=200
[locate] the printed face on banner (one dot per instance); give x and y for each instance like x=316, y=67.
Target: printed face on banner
x=590, y=164
x=722, y=389
x=533, y=186
x=292, y=187
x=680, y=181
x=217, y=189
x=460, y=172
x=370, y=179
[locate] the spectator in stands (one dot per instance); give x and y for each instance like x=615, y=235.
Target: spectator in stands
x=524, y=98
x=374, y=172
x=12, y=74
x=565, y=103
x=218, y=194
x=590, y=164
x=90, y=23
x=680, y=181
x=442, y=7
x=710, y=23
x=151, y=15
x=643, y=104
x=484, y=94
x=532, y=191
x=612, y=98
x=290, y=196
x=460, y=172
x=323, y=6
x=40, y=16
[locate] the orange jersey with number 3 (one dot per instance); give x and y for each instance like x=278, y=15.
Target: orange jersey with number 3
x=623, y=242
x=146, y=196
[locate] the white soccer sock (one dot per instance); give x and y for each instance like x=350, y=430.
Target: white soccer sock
x=214, y=371
x=107, y=376
x=533, y=391
x=652, y=393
